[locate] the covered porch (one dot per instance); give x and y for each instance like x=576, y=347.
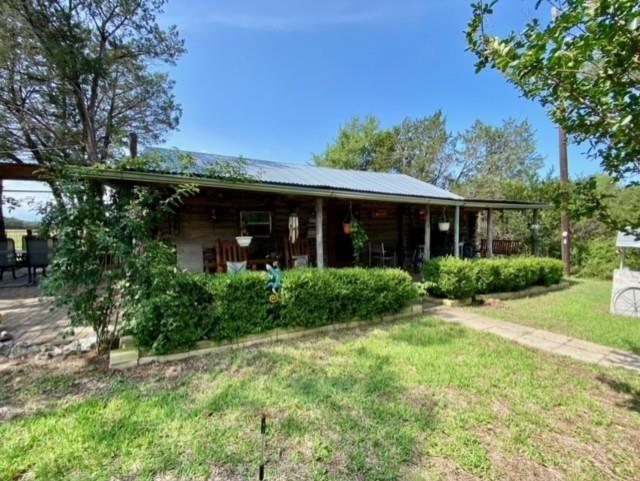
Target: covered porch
x=400, y=234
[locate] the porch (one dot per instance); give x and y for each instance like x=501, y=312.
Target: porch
x=400, y=234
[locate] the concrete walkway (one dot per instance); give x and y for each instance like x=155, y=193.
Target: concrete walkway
x=542, y=340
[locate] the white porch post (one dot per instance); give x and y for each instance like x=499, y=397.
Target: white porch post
x=427, y=233
x=456, y=234
x=489, y=232
x=319, y=234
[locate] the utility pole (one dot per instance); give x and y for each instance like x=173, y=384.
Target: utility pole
x=564, y=215
x=564, y=180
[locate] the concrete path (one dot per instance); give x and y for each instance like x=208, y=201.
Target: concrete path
x=31, y=319
x=543, y=340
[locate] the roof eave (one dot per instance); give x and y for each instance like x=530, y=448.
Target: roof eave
x=162, y=178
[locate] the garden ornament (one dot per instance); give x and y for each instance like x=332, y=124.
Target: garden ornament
x=274, y=281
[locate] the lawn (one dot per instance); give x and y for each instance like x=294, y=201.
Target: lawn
x=416, y=400
x=581, y=311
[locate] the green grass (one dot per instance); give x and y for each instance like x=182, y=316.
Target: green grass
x=416, y=400
x=581, y=311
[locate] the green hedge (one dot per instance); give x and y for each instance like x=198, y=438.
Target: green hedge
x=312, y=297
x=462, y=278
x=171, y=312
x=190, y=307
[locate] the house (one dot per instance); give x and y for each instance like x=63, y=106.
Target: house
x=400, y=214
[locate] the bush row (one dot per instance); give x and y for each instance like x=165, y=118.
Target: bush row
x=462, y=278
x=191, y=307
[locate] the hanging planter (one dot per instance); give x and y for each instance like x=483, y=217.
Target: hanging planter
x=244, y=240
x=444, y=223
x=444, y=226
x=347, y=227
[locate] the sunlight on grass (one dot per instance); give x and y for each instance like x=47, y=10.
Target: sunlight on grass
x=581, y=311
x=409, y=401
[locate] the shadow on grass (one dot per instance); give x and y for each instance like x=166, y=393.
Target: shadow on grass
x=632, y=401
x=422, y=335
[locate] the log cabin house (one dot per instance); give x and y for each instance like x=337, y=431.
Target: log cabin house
x=401, y=215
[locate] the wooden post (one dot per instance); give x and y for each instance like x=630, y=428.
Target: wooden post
x=534, y=234
x=489, y=232
x=427, y=233
x=456, y=234
x=319, y=235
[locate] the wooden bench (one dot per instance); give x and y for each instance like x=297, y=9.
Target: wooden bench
x=502, y=247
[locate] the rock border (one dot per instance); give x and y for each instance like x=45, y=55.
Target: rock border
x=528, y=292
x=129, y=355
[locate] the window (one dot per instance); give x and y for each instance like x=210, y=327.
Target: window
x=256, y=222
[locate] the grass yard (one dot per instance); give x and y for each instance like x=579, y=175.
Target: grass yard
x=581, y=311
x=418, y=400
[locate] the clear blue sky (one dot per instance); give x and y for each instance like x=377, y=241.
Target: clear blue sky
x=274, y=79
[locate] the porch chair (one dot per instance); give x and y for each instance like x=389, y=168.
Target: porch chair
x=381, y=255
x=8, y=259
x=39, y=252
x=229, y=251
x=209, y=260
x=301, y=249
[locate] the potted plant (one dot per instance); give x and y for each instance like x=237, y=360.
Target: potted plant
x=444, y=224
x=347, y=228
x=244, y=240
x=358, y=239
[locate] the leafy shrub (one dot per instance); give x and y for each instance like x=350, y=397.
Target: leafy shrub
x=241, y=305
x=171, y=312
x=459, y=279
x=451, y=276
x=174, y=309
x=597, y=257
x=312, y=297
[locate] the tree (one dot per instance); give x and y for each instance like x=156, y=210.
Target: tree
x=584, y=67
x=420, y=147
x=76, y=78
x=493, y=157
x=360, y=145
x=424, y=149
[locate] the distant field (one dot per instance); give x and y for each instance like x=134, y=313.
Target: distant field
x=17, y=234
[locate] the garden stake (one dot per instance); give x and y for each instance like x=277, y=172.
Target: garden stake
x=263, y=432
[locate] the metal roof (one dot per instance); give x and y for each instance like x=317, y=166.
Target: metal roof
x=629, y=240
x=170, y=161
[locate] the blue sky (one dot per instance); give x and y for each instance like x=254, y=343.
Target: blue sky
x=274, y=79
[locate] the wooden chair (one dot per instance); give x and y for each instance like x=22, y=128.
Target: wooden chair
x=209, y=263
x=8, y=258
x=229, y=251
x=302, y=247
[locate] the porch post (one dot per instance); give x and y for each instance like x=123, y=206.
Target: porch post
x=456, y=234
x=534, y=234
x=427, y=233
x=319, y=235
x=489, y=232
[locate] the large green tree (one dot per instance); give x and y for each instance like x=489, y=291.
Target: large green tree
x=77, y=76
x=584, y=67
x=360, y=145
x=425, y=149
x=493, y=157
x=422, y=148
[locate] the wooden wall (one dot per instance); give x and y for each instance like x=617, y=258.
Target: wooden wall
x=214, y=214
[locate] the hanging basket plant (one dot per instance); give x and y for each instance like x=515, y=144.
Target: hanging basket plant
x=444, y=224
x=347, y=228
x=359, y=238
